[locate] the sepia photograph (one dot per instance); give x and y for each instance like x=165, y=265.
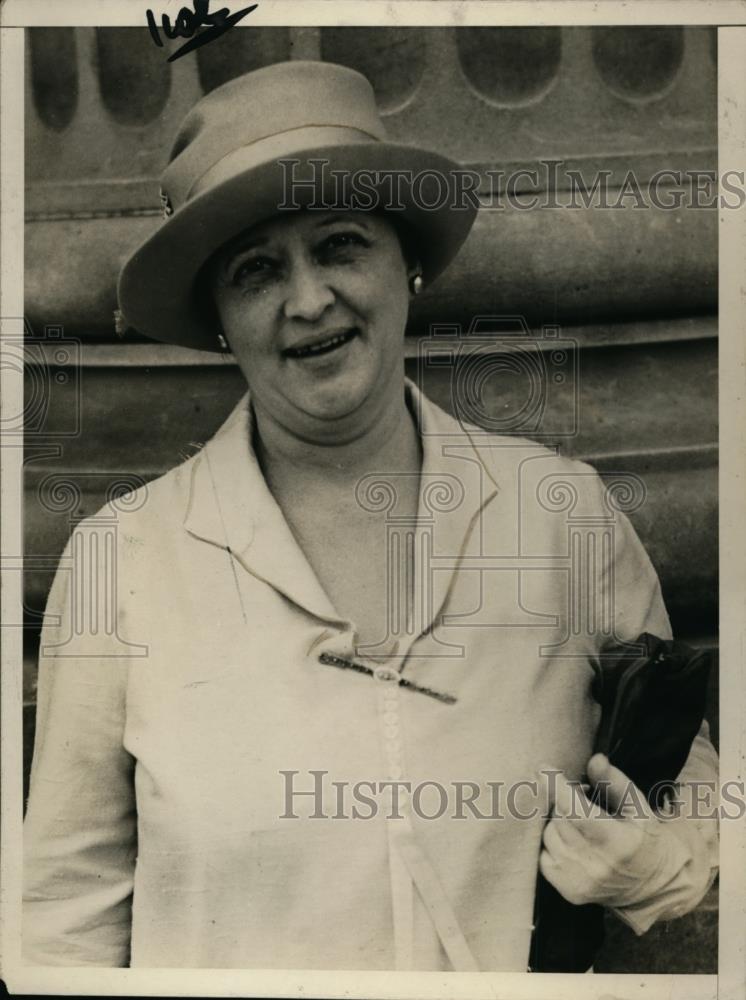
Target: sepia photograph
x=370, y=529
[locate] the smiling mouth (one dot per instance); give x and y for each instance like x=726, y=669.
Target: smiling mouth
x=318, y=347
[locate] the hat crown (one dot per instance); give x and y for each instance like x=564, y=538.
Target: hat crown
x=263, y=104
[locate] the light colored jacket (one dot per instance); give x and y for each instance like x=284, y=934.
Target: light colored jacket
x=195, y=680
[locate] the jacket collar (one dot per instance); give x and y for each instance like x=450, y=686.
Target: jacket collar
x=231, y=506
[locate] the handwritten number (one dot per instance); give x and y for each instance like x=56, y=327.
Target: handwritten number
x=188, y=21
x=152, y=27
x=215, y=31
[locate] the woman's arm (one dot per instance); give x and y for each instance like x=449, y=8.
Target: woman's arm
x=644, y=868
x=80, y=828
x=692, y=859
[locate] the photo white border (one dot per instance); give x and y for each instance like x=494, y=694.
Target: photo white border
x=398, y=13
x=732, y=500
x=730, y=984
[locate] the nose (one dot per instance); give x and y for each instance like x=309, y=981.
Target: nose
x=308, y=293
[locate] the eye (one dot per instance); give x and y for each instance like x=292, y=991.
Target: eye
x=347, y=243
x=252, y=269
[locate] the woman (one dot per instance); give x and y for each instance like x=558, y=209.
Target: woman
x=331, y=614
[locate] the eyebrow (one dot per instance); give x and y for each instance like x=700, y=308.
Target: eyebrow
x=255, y=242
x=332, y=219
x=248, y=243
x=259, y=241
x=225, y=259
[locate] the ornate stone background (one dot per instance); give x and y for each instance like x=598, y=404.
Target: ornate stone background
x=635, y=290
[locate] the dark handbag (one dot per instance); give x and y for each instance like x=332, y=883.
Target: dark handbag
x=652, y=695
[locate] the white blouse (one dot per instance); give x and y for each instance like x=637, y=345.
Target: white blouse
x=215, y=763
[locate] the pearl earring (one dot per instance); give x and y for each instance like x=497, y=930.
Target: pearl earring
x=223, y=342
x=416, y=284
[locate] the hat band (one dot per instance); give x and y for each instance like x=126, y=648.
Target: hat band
x=295, y=140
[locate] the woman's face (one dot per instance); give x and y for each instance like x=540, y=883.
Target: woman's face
x=314, y=305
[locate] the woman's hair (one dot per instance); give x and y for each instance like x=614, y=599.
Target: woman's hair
x=407, y=239
x=204, y=301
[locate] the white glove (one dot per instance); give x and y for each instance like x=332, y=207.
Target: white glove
x=620, y=857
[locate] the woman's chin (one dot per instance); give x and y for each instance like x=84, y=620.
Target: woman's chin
x=334, y=395
x=338, y=400
x=320, y=401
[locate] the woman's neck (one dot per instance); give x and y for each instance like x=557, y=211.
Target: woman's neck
x=387, y=441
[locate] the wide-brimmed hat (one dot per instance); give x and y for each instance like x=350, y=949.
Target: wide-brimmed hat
x=246, y=152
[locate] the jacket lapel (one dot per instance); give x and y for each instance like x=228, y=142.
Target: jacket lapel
x=456, y=486
x=231, y=506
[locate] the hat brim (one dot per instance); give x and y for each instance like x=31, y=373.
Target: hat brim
x=157, y=286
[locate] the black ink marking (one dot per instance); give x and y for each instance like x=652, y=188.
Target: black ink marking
x=153, y=28
x=187, y=22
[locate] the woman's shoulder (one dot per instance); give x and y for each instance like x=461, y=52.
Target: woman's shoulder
x=499, y=449
x=520, y=466
x=159, y=506
x=523, y=457
x=151, y=504
x=137, y=527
